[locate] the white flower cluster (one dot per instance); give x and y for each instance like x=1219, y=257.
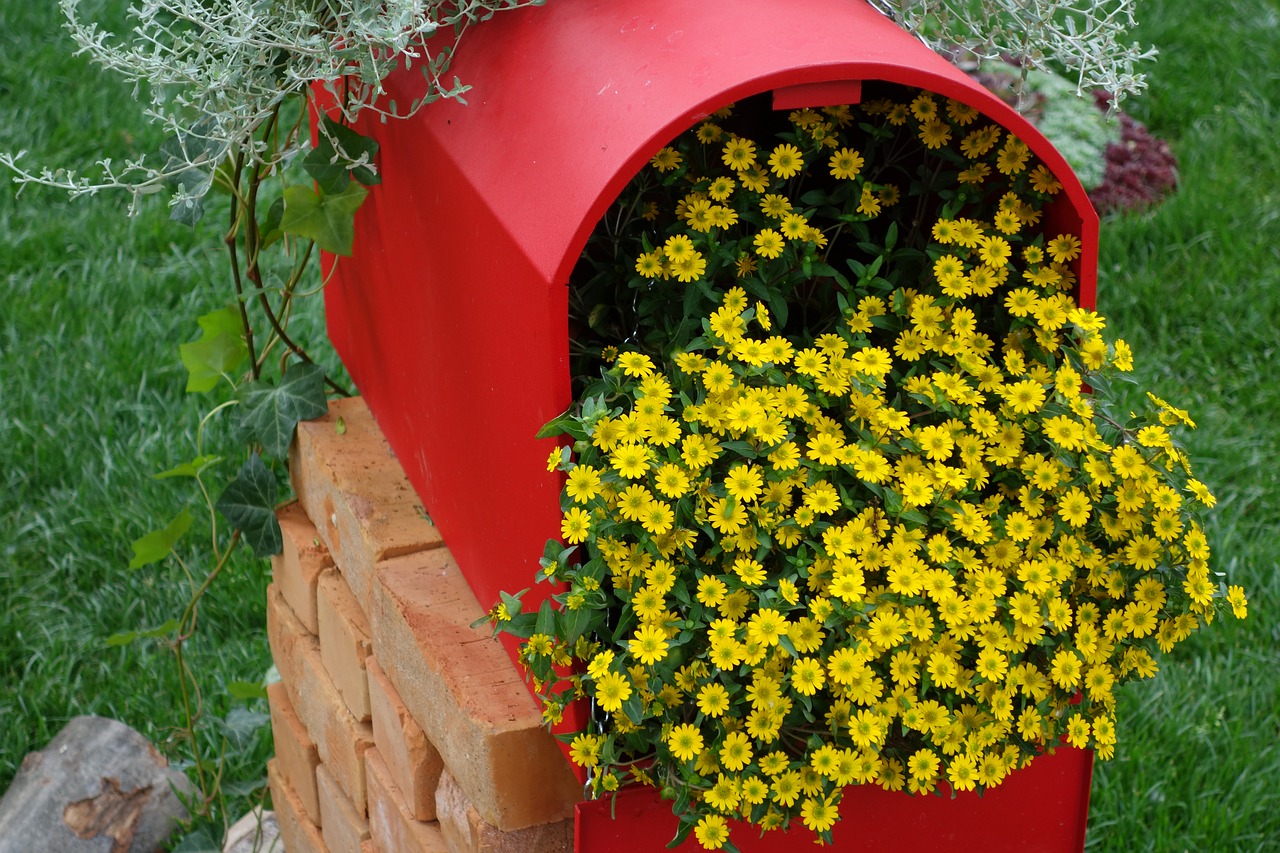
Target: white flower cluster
x=1086, y=38
x=215, y=72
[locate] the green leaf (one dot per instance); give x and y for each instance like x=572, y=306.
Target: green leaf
x=157, y=544
x=219, y=350
x=124, y=638
x=241, y=726
x=162, y=630
x=189, y=469
x=564, y=424
x=546, y=623
x=914, y=516
x=271, y=413
x=199, y=841
x=513, y=603
x=575, y=623
x=740, y=448
x=521, y=626
x=685, y=826
x=634, y=708
x=329, y=219
x=246, y=690
x=244, y=787
x=337, y=148
x=249, y=504
x=269, y=229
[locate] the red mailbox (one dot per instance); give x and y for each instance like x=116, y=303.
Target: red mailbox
x=452, y=314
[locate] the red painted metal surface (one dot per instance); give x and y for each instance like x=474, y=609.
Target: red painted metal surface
x=1039, y=809
x=452, y=314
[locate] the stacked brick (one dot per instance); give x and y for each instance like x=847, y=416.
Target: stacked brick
x=398, y=727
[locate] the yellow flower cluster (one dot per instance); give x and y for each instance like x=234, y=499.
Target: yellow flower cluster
x=904, y=543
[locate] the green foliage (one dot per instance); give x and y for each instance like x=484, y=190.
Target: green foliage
x=1088, y=40
x=900, y=527
x=92, y=388
x=1076, y=127
x=157, y=544
x=323, y=217
x=202, y=69
x=249, y=503
x=272, y=412
x=1196, y=285
x=268, y=375
x=341, y=155
x=218, y=352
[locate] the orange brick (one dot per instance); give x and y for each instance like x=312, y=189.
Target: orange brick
x=296, y=755
x=357, y=494
x=344, y=828
x=344, y=641
x=459, y=685
x=392, y=827
x=411, y=758
x=465, y=831
x=297, y=567
x=340, y=738
x=298, y=834
x=289, y=639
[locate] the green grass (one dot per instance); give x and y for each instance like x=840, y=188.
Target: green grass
x=92, y=403
x=1195, y=287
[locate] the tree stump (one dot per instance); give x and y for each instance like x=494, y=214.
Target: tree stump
x=98, y=787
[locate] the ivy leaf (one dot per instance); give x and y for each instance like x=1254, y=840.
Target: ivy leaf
x=125, y=637
x=340, y=155
x=241, y=726
x=159, y=631
x=249, y=503
x=329, y=219
x=271, y=413
x=189, y=469
x=219, y=350
x=191, y=164
x=157, y=544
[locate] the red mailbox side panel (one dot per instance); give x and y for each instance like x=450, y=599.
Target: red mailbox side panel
x=460, y=355
x=1039, y=809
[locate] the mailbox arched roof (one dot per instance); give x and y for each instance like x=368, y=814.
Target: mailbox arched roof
x=570, y=100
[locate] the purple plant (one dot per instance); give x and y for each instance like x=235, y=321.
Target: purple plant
x=1141, y=169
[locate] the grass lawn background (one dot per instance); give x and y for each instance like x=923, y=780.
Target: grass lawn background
x=93, y=305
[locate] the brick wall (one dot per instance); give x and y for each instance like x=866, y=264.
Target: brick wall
x=398, y=727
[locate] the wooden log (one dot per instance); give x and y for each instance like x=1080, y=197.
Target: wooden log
x=98, y=787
